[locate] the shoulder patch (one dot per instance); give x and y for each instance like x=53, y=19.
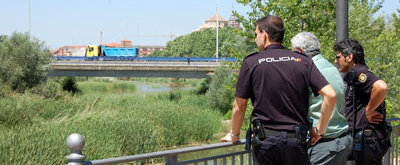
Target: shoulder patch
x=362, y=78
x=251, y=55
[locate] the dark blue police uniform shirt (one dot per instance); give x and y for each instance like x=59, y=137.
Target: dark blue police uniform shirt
x=363, y=81
x=278, y=81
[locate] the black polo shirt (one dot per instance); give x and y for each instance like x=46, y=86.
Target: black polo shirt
x=278, y=82
x=363, y=81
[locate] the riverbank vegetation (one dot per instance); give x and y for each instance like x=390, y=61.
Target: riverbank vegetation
x=113, y=119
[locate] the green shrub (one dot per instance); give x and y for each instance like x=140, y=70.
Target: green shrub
x=24, y=61
x=113, y=124
x=174, y=95
x=4, y=90
x=203, y=87
x=49, y=90
x=69, y=84
x=222, y=87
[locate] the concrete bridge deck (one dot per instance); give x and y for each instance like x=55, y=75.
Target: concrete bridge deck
x=132, y=69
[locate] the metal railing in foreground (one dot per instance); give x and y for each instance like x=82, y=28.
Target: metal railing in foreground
x=76, y=142
x=392, y=156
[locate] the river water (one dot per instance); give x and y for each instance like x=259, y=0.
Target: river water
x=157, y=88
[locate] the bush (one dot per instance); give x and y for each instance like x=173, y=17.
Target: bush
x=203, y=87
x=69, y=84
x=4, y=90
x=48, y=90
x=174, y=95
x=24, y=61
x=222, y=87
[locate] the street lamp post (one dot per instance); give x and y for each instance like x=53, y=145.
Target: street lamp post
x=217, y=27
x=29, y=18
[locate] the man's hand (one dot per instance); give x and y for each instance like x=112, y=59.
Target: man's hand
x=314, y=136
x=228, y=138
x=374, y=117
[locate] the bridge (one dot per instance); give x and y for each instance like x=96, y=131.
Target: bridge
x=139, y=67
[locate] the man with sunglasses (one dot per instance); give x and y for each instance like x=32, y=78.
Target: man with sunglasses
x=365, y=104
x=335, y=146
x=278, y=81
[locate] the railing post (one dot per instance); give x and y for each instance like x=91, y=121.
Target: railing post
x=171, y=160
x=75, y=143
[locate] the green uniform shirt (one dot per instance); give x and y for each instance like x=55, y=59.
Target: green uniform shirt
x=337, y=123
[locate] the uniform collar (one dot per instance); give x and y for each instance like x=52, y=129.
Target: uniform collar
x=356, y=69
x=275, y=46
x=317, y=57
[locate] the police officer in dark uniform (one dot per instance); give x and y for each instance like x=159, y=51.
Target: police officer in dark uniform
x=371, y=132
x=277, y=81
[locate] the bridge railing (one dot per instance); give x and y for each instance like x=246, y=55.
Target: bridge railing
x=76, y=142
x=392, y=156
x=134, y=58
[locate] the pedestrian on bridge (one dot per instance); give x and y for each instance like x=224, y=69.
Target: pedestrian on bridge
x=335, y=145
x=278, y=81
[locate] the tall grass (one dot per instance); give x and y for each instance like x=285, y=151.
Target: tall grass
x=34, y=129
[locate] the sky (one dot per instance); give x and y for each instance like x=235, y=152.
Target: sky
x=145, y=22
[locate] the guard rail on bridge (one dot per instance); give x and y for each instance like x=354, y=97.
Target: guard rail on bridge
x=176, y=67
x=133, y=58
x=76, y=142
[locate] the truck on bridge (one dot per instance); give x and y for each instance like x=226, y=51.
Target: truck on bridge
x=102, y=52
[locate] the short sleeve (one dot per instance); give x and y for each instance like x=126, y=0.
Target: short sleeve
x=244, y=85
x=367, y=79
x=317, y=80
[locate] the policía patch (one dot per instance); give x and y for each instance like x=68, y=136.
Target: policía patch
x=362, y=78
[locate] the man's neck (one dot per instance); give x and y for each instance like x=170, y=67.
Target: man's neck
x=268, y=43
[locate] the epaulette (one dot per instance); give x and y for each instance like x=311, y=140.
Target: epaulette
x=250, y=55
x=301, y=53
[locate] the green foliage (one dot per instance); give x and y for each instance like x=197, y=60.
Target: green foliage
x=4, y=90
x=49, y=90
x=221, y=92
x=15, y=113
x=175, y=96
x=203, y=87
x=33, y=128
x=306, y=15
x=69, y=84
x=202, y=44
x=379, y=37
x=24, y=61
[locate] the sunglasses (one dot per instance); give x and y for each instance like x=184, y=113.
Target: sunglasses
x=338, y=56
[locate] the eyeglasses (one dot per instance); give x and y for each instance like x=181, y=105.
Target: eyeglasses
x=338, y=56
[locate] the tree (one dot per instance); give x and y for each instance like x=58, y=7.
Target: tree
x=23, y=61
x=379, y=38
x=202, y=44
x=298, y=15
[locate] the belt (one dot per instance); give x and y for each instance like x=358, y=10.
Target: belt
x=269, y=132
x=322, y=140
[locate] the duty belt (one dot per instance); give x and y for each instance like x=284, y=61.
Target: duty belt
x=269, y=132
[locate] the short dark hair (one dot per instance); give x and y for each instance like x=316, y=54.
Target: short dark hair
x=351, y=46
x=273, y=26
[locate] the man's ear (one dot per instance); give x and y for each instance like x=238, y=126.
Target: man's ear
x=266, y=39
x=301, y=49
x=350, y=57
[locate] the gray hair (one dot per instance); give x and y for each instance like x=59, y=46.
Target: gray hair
x=308, y=42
